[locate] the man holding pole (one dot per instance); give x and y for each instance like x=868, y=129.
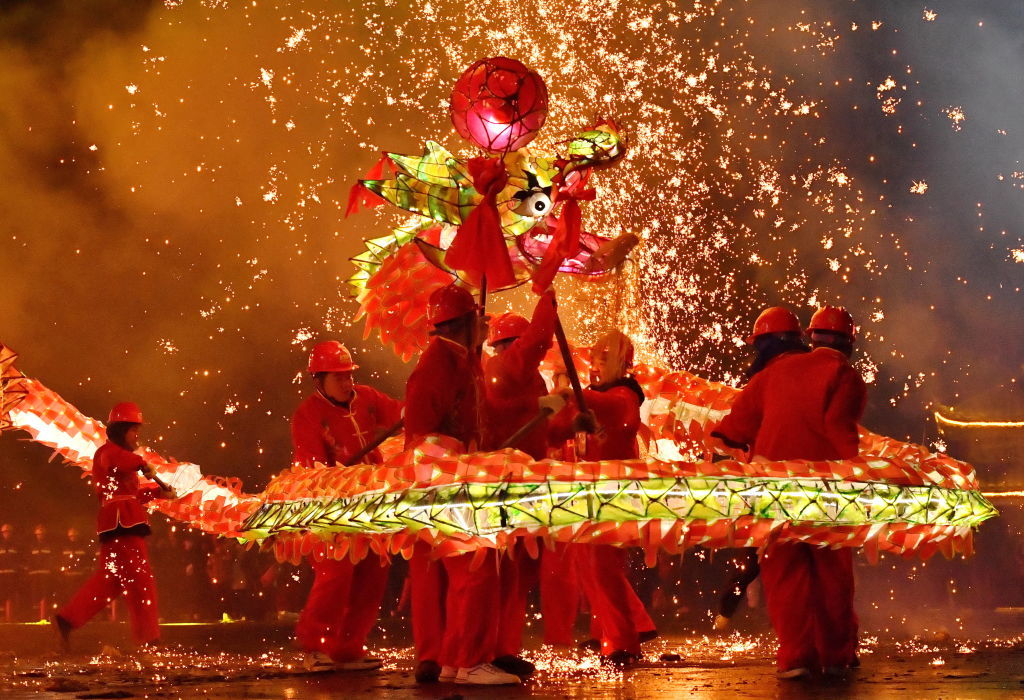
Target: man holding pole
x=806, y=406
x=518, y=408
x=456, y=632
x=612, y=419
x=338, y=425
x=122, y=525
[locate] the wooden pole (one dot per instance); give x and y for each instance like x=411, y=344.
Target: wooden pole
x=518, y=435
x=160, y=482
x=570, y=366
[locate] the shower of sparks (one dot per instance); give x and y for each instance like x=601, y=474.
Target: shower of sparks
x=706, y=184
x=736, y=180
x=956, y=116
x=889, y=101
x=929, y=15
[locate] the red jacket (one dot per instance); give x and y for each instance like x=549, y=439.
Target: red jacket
x=514, y=384
x=801, y=406
x=330, y=434
x=115, y=473
x=444, y=394
x=617, y=408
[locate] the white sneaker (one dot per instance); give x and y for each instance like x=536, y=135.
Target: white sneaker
x=448, y=674
x=486, y=674
x=317, y=661
x=367, y=663
x=793, y=673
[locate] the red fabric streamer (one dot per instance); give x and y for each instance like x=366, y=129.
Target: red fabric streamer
x=359, y=196
x=565, y=240
x=479, y=248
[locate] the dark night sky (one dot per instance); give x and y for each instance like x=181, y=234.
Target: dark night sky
x=112, y=293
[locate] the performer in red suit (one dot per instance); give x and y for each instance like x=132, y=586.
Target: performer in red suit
x=806, y=406
x=560, y=591
x=776, y=331
x=122, y=525
x=515, y=393
x=456, y=631
x=512, y=376
x=337, y=421
x=613, y=402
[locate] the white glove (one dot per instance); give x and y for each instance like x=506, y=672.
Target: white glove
x=551, y=402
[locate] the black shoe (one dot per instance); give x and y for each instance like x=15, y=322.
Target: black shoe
x=856, y=662
x=516, y=665
x=590, y=645
x=620, y=659
x=63, y=628
x=427, y=671
x=648, y=635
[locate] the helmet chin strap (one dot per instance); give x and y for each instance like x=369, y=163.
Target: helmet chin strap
x=334, y=402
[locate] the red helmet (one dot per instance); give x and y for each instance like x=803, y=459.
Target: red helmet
x=506, y=327
x=448, y=303
x=125, y=412
x=835, y=319
x=330, y=356
x=775, y=319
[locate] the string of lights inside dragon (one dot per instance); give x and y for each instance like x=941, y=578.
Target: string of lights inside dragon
x=894, y=497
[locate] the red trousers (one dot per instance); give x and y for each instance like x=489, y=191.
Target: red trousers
x=428, y=584
x=809, y=595
x=559, y=595
x=518, y=577
x=641, y=618
x=463, y=617
x=473, y=611
x=123, y=568
x=614, y=604
x=342, y=607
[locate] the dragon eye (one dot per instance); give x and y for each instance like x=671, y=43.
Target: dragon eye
x=534, y=204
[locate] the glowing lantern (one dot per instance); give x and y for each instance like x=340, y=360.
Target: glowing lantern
x=499, y=104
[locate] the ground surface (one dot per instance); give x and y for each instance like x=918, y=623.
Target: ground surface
x=248, y=660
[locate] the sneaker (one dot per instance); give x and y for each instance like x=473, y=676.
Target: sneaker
x=367, y=663
x=63, y=629
x=516, y=665
x=317, y=661
x=448, y=674
x=793, y=673
x=648, y=635
x=486, y=674
x=620, y=658
x=427, y=671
